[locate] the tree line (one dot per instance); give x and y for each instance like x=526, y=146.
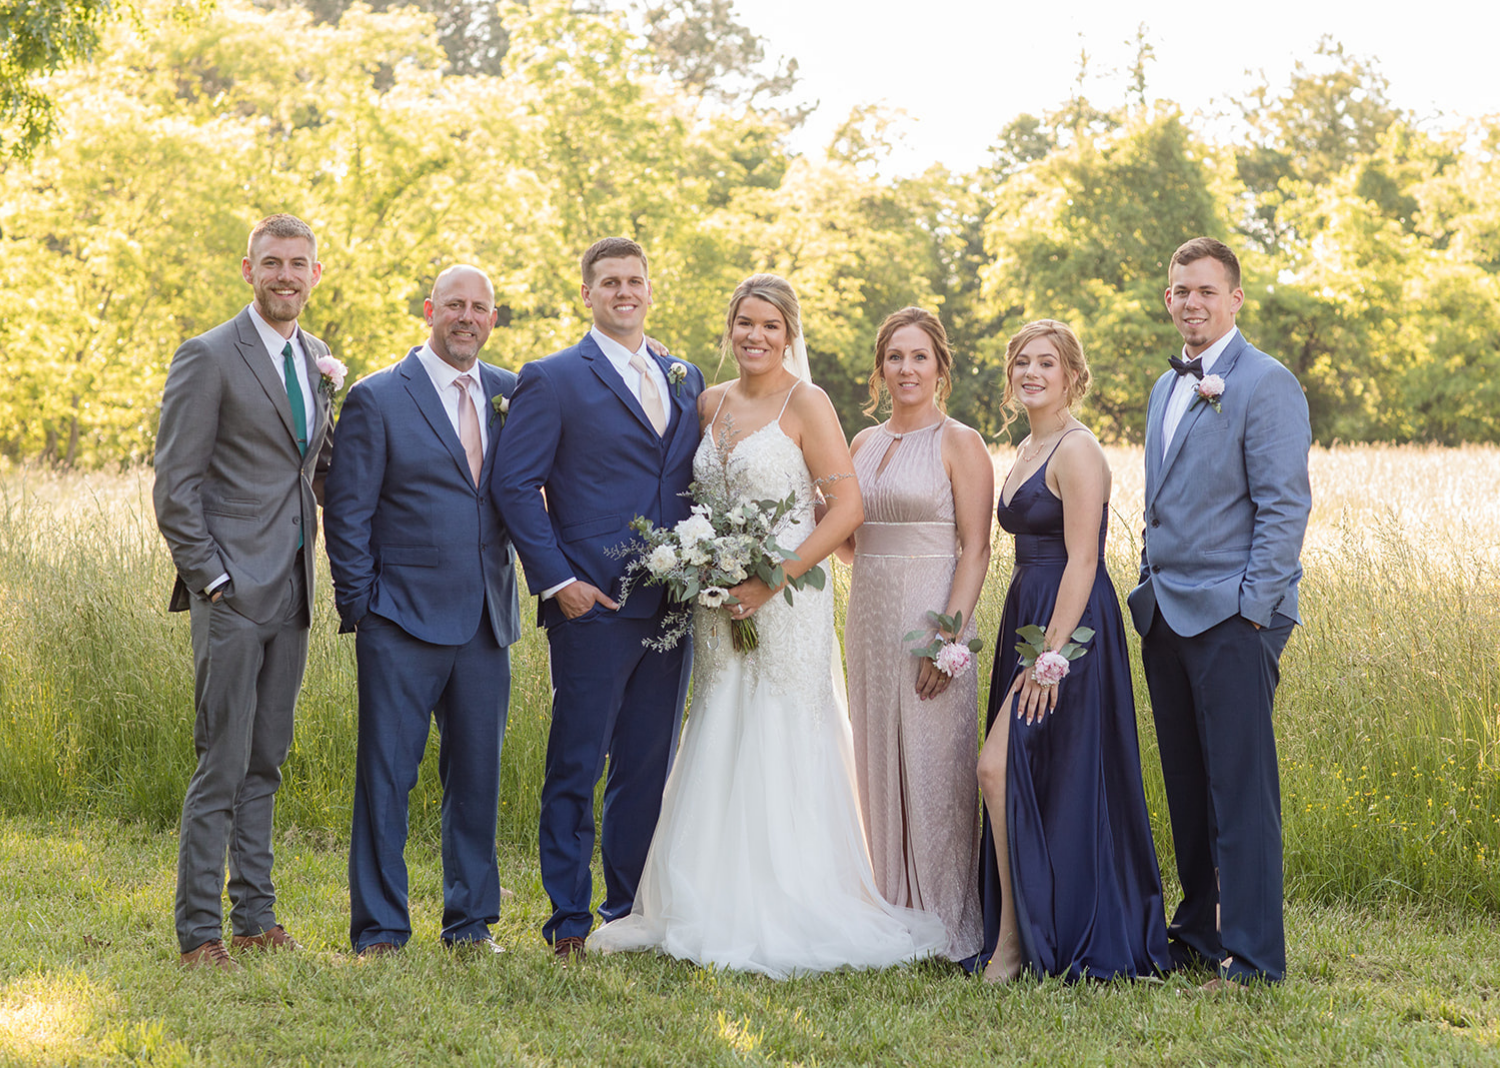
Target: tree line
x=1371, y=244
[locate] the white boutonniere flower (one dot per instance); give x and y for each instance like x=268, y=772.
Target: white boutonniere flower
x=1209, y=390
x=333, y=373
x=675, y=375
x=501, y=404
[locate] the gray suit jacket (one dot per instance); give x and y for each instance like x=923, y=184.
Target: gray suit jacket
x=232, y=493
x=1227, y=506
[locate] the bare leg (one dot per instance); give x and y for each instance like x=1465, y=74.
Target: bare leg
x=1006, y=964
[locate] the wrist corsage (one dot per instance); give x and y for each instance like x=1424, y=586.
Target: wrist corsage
x=948, y=656
x=1208, y=391
x=1048, y=668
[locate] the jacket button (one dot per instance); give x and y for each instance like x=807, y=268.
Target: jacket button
x=1156, y=522
x=296, y=520
x=1155, y=568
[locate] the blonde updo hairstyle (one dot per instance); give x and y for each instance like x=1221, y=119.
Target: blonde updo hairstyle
x=774, y=290
x=1069, y=350
x=933, y=328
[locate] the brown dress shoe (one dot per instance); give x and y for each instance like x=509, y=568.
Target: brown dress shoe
x=475, y=947
x=568, y=949
x=211, y=954
x=273, y=938
x=379, y=949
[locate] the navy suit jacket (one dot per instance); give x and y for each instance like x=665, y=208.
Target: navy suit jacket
x=409, y=535
x=1227, y=506
x=578, y=432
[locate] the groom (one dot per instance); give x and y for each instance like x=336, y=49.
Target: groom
x=1227, y=499
x=607, y=429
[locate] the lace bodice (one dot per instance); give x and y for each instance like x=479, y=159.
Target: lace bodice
x=795, y=650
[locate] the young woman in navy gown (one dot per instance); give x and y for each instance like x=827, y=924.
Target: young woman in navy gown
x=1071, y=886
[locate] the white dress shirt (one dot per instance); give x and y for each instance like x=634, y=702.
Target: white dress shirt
x=274, y=343
x=443, y=375
x=619, y=358
x=1181, y=396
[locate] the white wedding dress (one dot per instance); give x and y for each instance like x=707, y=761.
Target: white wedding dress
x=759, y=861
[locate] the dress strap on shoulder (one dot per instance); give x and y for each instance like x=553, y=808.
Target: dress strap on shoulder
x=1056, y=444
x=788, y=399
x=722, y=398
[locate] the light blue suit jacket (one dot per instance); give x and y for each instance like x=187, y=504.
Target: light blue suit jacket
x=1226, y=507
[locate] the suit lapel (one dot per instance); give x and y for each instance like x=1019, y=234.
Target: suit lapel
x=419, y=385
x=682, y=406
x=322, y=402
x=1155, y=415
x=492, y=384
x=253, y=352
x=1222, y=367
x=600, y=365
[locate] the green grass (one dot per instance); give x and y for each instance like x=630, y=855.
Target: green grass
x=88, y=975
x=1388, y=724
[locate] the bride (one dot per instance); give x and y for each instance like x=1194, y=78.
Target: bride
x=759, y=861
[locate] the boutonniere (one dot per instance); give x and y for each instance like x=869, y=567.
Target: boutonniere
x=333, y=371
x=501, y=405
x=1208, y=390
x=675, y=374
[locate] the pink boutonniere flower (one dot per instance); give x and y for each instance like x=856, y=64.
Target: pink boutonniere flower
x=333, y=371
x=1209, y=390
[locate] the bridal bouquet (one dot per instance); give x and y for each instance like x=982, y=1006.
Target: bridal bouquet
x=721, y=544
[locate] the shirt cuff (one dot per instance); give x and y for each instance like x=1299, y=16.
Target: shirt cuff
x=215, y=584
x=551, y=591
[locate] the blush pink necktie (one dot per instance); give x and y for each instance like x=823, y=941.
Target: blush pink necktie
x=468, y=428
x=650, y=395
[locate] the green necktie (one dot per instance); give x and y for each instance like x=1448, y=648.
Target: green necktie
x=299, y=410
x=294, y=395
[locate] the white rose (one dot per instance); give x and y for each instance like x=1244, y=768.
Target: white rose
x=661, y=560
x=713, y=596
x=693, y=529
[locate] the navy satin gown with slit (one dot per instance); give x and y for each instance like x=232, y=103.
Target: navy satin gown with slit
x=1082, y=862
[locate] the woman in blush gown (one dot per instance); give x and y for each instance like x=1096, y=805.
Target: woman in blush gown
x=1072, y=887
x=928, y=484
x=759, y=860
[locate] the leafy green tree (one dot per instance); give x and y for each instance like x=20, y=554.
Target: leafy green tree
x=1333, y=112
x=1084, y=235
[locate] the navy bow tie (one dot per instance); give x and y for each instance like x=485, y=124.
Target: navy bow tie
x=1192, y=367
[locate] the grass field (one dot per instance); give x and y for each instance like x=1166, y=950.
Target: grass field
x=1388, y=723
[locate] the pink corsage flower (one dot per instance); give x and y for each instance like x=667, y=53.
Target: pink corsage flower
x=333, y=371
x=1049, y=669
x=1209, y=390
x=953, y=658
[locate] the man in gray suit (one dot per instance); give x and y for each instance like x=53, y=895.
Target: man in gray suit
x=1227, y=499
x=245, y=439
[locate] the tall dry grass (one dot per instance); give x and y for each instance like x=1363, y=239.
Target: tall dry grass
x=1388, y=714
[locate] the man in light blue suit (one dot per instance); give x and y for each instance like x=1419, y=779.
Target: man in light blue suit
x=607, y=429
x=423, y=573
x=1226, y=505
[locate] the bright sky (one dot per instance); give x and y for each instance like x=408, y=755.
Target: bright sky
x=963, y=68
